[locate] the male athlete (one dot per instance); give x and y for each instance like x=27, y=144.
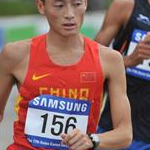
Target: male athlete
x=60, y=78
x=128, y=23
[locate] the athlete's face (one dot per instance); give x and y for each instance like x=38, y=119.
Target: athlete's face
x=64, y=16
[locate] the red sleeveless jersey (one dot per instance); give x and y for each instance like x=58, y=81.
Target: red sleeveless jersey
x=82, y=80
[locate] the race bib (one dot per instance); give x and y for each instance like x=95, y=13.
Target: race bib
x=49, y=116
x=142, y=70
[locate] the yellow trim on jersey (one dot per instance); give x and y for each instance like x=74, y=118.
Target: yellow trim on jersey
x=18, y=100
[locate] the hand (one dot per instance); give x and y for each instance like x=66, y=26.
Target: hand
x=76, y=140
x=141, y=52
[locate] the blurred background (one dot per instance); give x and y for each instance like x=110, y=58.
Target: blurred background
x=19, y=20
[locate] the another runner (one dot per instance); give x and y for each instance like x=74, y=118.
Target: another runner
x=128, y=23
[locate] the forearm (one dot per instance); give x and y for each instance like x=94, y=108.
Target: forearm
x=116, y=139
x=103, y=39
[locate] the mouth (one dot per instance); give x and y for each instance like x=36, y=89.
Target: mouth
x=69, y=26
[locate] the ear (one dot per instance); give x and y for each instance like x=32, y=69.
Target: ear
x=40, y=6
x=86, y=3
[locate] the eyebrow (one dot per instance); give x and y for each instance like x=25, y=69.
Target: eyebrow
x=58, y=0
x=64, y=0
x=76, y=0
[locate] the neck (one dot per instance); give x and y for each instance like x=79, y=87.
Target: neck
x=149, y=2
x=64, y=43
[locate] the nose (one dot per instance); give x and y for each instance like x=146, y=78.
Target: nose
x=69, y=13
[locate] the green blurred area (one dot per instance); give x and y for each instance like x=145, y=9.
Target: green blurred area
x=25, y=7
x=17, y=7
x=19, y=33
x=88, y=31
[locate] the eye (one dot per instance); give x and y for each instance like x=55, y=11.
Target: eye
x=77, y=3
x=58, y=5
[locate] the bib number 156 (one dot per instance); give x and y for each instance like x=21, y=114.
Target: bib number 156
x=59, y=124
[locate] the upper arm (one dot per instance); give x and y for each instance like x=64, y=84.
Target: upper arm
x=114, y=71
x=13, y=68
x=115, y=18
x=120, y=107
x=7, y=79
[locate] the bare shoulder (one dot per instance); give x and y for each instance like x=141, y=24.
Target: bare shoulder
x=13, y=53
x=109, y=54
x=16, y=50
x=110, y=59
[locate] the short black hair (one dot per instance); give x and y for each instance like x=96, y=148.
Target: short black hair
x=43, y=1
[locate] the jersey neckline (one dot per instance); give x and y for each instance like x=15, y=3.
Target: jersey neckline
x=51, y=62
